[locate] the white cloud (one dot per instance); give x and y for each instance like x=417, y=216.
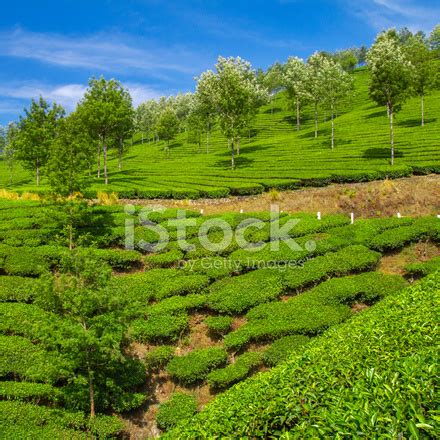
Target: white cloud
x=17, y=95
x=382, y=14
x=103, y=52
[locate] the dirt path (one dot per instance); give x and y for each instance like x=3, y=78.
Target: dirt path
x=416, y=195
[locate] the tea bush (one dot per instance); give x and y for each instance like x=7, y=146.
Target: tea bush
x=423, y=269
x=178, y=408
x=233, y=373
x=283, y=348
x=159, y=327
x=157, y=358
x=219, y=324
x=28, y=391
x=195, y=366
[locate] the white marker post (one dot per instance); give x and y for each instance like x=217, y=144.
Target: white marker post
x=201, y=211
x=318, y=215
x=352, y=217
x=241, y=211
x=399, y=215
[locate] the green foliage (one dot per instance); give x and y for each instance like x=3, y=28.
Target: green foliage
x=165, y=259
x=157, y=358
x=385, y=387
x=195, y=366
x=14, y=288
x=219, y=324
x=237, y=294
x=283, y=348
x=21, y=420
x=176, y=304
x=423, y=269
x=233, y=373
x=179, y=408
x=28, y=391
x=160, y=327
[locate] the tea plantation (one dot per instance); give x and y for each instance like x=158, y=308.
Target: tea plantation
x=275, y=155
x=209, y=318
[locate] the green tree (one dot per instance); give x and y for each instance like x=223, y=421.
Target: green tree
x=167, y=127
x=391, y=77
x=145, y=118
x=91, y=335
x=234, y=93
x=69, y=157
x=295, y=81
x=273, y=81
x=37, y=131
x=434, y=40
x=337, y=85
x=418, y=53
x=9, y=152
x=104, y=105
x=2, y=139
x=315, y=90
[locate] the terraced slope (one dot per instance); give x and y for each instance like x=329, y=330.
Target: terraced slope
x=276, y=156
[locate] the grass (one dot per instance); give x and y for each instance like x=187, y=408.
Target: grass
x=276, y=156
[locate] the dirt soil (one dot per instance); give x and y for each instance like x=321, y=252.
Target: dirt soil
x=415, y=196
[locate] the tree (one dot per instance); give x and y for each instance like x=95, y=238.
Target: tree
x=145, y=118
x=167, y=127
x=234, y=93
x=2, y=138
x=348, y=59
x=124, y=125
x=418, y=53
x=9, y=151
x=391, y=78
x=91, y=335
x=68, y=159
x=337, y=84
x=434, y=40
x=196, y=123
x=315, y=90
x=37, y=131
x=104, y=104
x=295, y=79
x=273, y=81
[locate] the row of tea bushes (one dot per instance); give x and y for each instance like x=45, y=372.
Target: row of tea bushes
x=374, y=376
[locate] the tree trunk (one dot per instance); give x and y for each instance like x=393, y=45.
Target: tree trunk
x=423, y=112
x=99, y=161
x=390, y=108
x=105, y=165
x=298, y=122
x=316, y=121
x=207, y=138
x=37, y=165
x=142, y=138
x=231, y=144
x=91, y=392
x=333, y=129
x=120, y=155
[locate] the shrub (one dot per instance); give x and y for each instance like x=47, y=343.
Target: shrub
x=176, y=304
x=159, y=328
x=157, y=358
x=237, y=294
x=239, y=370
x=13, y=288
x=28, y=391
x=196, y=365
x=219, y=324
x=423, y=269
x=119, y=259
x=283, y=348
x=178, y=408
x=165, y=259
x=340, y=384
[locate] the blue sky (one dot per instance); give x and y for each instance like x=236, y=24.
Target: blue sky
x=156, y=47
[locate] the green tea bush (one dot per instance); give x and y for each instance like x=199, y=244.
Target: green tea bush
x=159, y=328
x=157, y=358
x=176, y=304
x=237, y=294
x=196, y=365
x=165, y=259
x=119, y=259
x=219, y=325
x=375, y=376
x=423, y=269
x=283, y=348
x=213, y=267
x=179, y=408
x=422, y=228
x=350, y=259
x=233, y=373
x=14, y=288
x=28, y=391
x=26, y=420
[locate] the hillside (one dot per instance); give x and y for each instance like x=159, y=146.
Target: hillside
x=276, y=156
x=201, y=319
x=371, y=377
